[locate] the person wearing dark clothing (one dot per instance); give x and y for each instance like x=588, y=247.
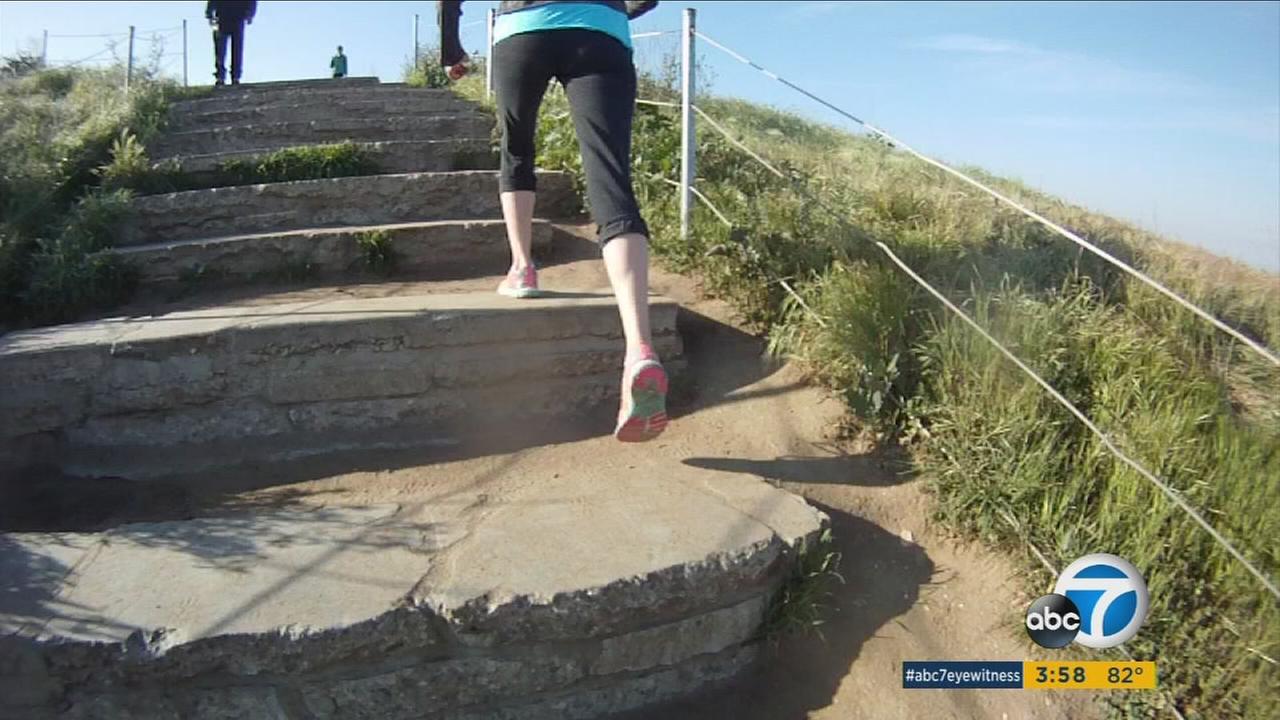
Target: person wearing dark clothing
x=587, y=47
x=228, y=18
x=339, y=64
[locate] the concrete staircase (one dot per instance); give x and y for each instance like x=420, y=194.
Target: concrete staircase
x=432, y=603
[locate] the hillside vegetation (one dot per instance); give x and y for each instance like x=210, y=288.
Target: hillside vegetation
x=1006, y=463
x=72, y=154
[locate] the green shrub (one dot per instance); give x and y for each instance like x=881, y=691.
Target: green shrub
x=63, y=134
x=379, y=255
x=428, y=73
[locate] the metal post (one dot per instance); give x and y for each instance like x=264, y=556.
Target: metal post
x=688, y=143
x=44, y=51
x=417, y=60
x=488, y=58
x=184, y=53
x=128, y=69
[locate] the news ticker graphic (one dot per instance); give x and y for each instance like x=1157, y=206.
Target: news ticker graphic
x=1030, y=674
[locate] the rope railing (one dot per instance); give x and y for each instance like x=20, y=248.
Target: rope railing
x=1154, y=284
x=1170, y=492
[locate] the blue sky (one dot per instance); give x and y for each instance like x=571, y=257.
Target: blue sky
x=1167, y=115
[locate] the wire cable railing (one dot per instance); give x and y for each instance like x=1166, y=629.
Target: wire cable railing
x=1154, y=284
x=1170, y=492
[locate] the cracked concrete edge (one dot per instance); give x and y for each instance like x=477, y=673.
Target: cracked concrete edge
x=626, y=604
x=479, y=689
x=387, y=157
x=418, y=248
x=632, y=617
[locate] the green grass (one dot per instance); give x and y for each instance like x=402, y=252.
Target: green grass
x=130, y=169
x=1006, y=464
x=801, y=603
x=57, y=131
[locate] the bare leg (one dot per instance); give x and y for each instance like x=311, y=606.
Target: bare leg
x=517, y=211
x=626, y=258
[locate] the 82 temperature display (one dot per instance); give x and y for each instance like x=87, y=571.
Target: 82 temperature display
x=1090, y=675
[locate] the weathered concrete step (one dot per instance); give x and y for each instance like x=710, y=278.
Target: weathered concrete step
x=337, y=202
x=390, y=157
x=424, y=249
x=273, y=86
x=321, y=82
x=284, y=134
x=228, y=100
x=597, y=590
x=234, y=384
x=321, y=108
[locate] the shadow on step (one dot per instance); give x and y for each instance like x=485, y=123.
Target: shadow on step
x=869, y=470
x=797, y=674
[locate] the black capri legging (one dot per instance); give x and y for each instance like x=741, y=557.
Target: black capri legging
x=600, y=81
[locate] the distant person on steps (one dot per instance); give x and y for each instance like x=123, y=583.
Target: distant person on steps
x=587, y=47
x=339, y=64
x=228, y=18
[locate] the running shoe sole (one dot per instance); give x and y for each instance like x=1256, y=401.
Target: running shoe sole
x=647, y=416
x=518, y=293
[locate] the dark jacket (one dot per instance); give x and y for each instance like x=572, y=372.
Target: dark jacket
x=230, y=10
x=450, y=12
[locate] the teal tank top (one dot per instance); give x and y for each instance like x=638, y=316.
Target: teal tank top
x=564, y=16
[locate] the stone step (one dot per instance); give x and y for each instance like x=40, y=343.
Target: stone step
x=285, y=134
x=601, y=589
x=228, y=100
x=428, y=249
x=321, y=108
x=336, y=202
x=273, y=86
x=389, y=157
x=320, y=82
x=233, y=384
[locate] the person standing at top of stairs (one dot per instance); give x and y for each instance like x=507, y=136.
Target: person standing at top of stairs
x=339, y=64
x=228, y=18
x=587, y=47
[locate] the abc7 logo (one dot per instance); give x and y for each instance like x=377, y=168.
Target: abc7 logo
x=1100, y=601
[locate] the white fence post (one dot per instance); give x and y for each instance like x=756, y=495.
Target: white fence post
x=128, y=68
x=488, y=58
x=185, y=82
x=417, y=59
x=688, y=143
x=44, y=51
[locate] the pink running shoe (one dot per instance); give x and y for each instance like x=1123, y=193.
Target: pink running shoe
x=643, y=415
x=520, y=283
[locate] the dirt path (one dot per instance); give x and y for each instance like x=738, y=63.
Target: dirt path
x=911, y=593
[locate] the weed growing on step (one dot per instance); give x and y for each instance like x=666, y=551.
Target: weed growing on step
x=800, y=603
x=377, y=252
x=1007, y=465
